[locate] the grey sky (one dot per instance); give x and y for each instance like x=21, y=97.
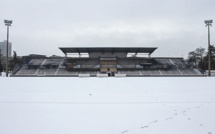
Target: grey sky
x=40, y=27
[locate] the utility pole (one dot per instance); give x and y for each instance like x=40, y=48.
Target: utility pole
x=208, y=24
x=8, y=24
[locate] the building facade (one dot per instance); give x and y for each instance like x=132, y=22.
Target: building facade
x=3, y=49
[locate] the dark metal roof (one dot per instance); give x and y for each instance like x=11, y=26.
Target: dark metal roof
x=147, y=50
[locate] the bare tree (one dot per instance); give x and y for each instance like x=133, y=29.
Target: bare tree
x=205, y=59
x=192, y=58
x=196, y=57
x=200, y=55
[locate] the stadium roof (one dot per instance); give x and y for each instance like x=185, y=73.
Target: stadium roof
x=148, y=50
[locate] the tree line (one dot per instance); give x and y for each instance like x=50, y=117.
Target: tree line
x=13, y=62
x=199, y=58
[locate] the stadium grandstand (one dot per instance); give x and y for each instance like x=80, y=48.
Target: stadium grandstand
x=105, y=62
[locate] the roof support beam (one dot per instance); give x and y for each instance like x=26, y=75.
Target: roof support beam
x=137, y=51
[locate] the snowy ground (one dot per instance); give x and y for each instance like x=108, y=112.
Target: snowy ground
x=147, y=105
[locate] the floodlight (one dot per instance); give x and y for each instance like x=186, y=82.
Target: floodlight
x=8, y=24
x=208, y=24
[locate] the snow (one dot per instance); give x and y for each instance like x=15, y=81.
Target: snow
x=143, y=105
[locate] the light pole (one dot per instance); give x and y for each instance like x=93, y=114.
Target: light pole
x=208, y=24
x=8, y=24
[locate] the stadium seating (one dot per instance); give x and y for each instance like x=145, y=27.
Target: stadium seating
x=131, y=66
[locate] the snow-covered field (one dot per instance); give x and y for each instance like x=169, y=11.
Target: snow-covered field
x=147, y=105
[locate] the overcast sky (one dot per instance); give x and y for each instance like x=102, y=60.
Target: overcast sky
x=176, y=27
